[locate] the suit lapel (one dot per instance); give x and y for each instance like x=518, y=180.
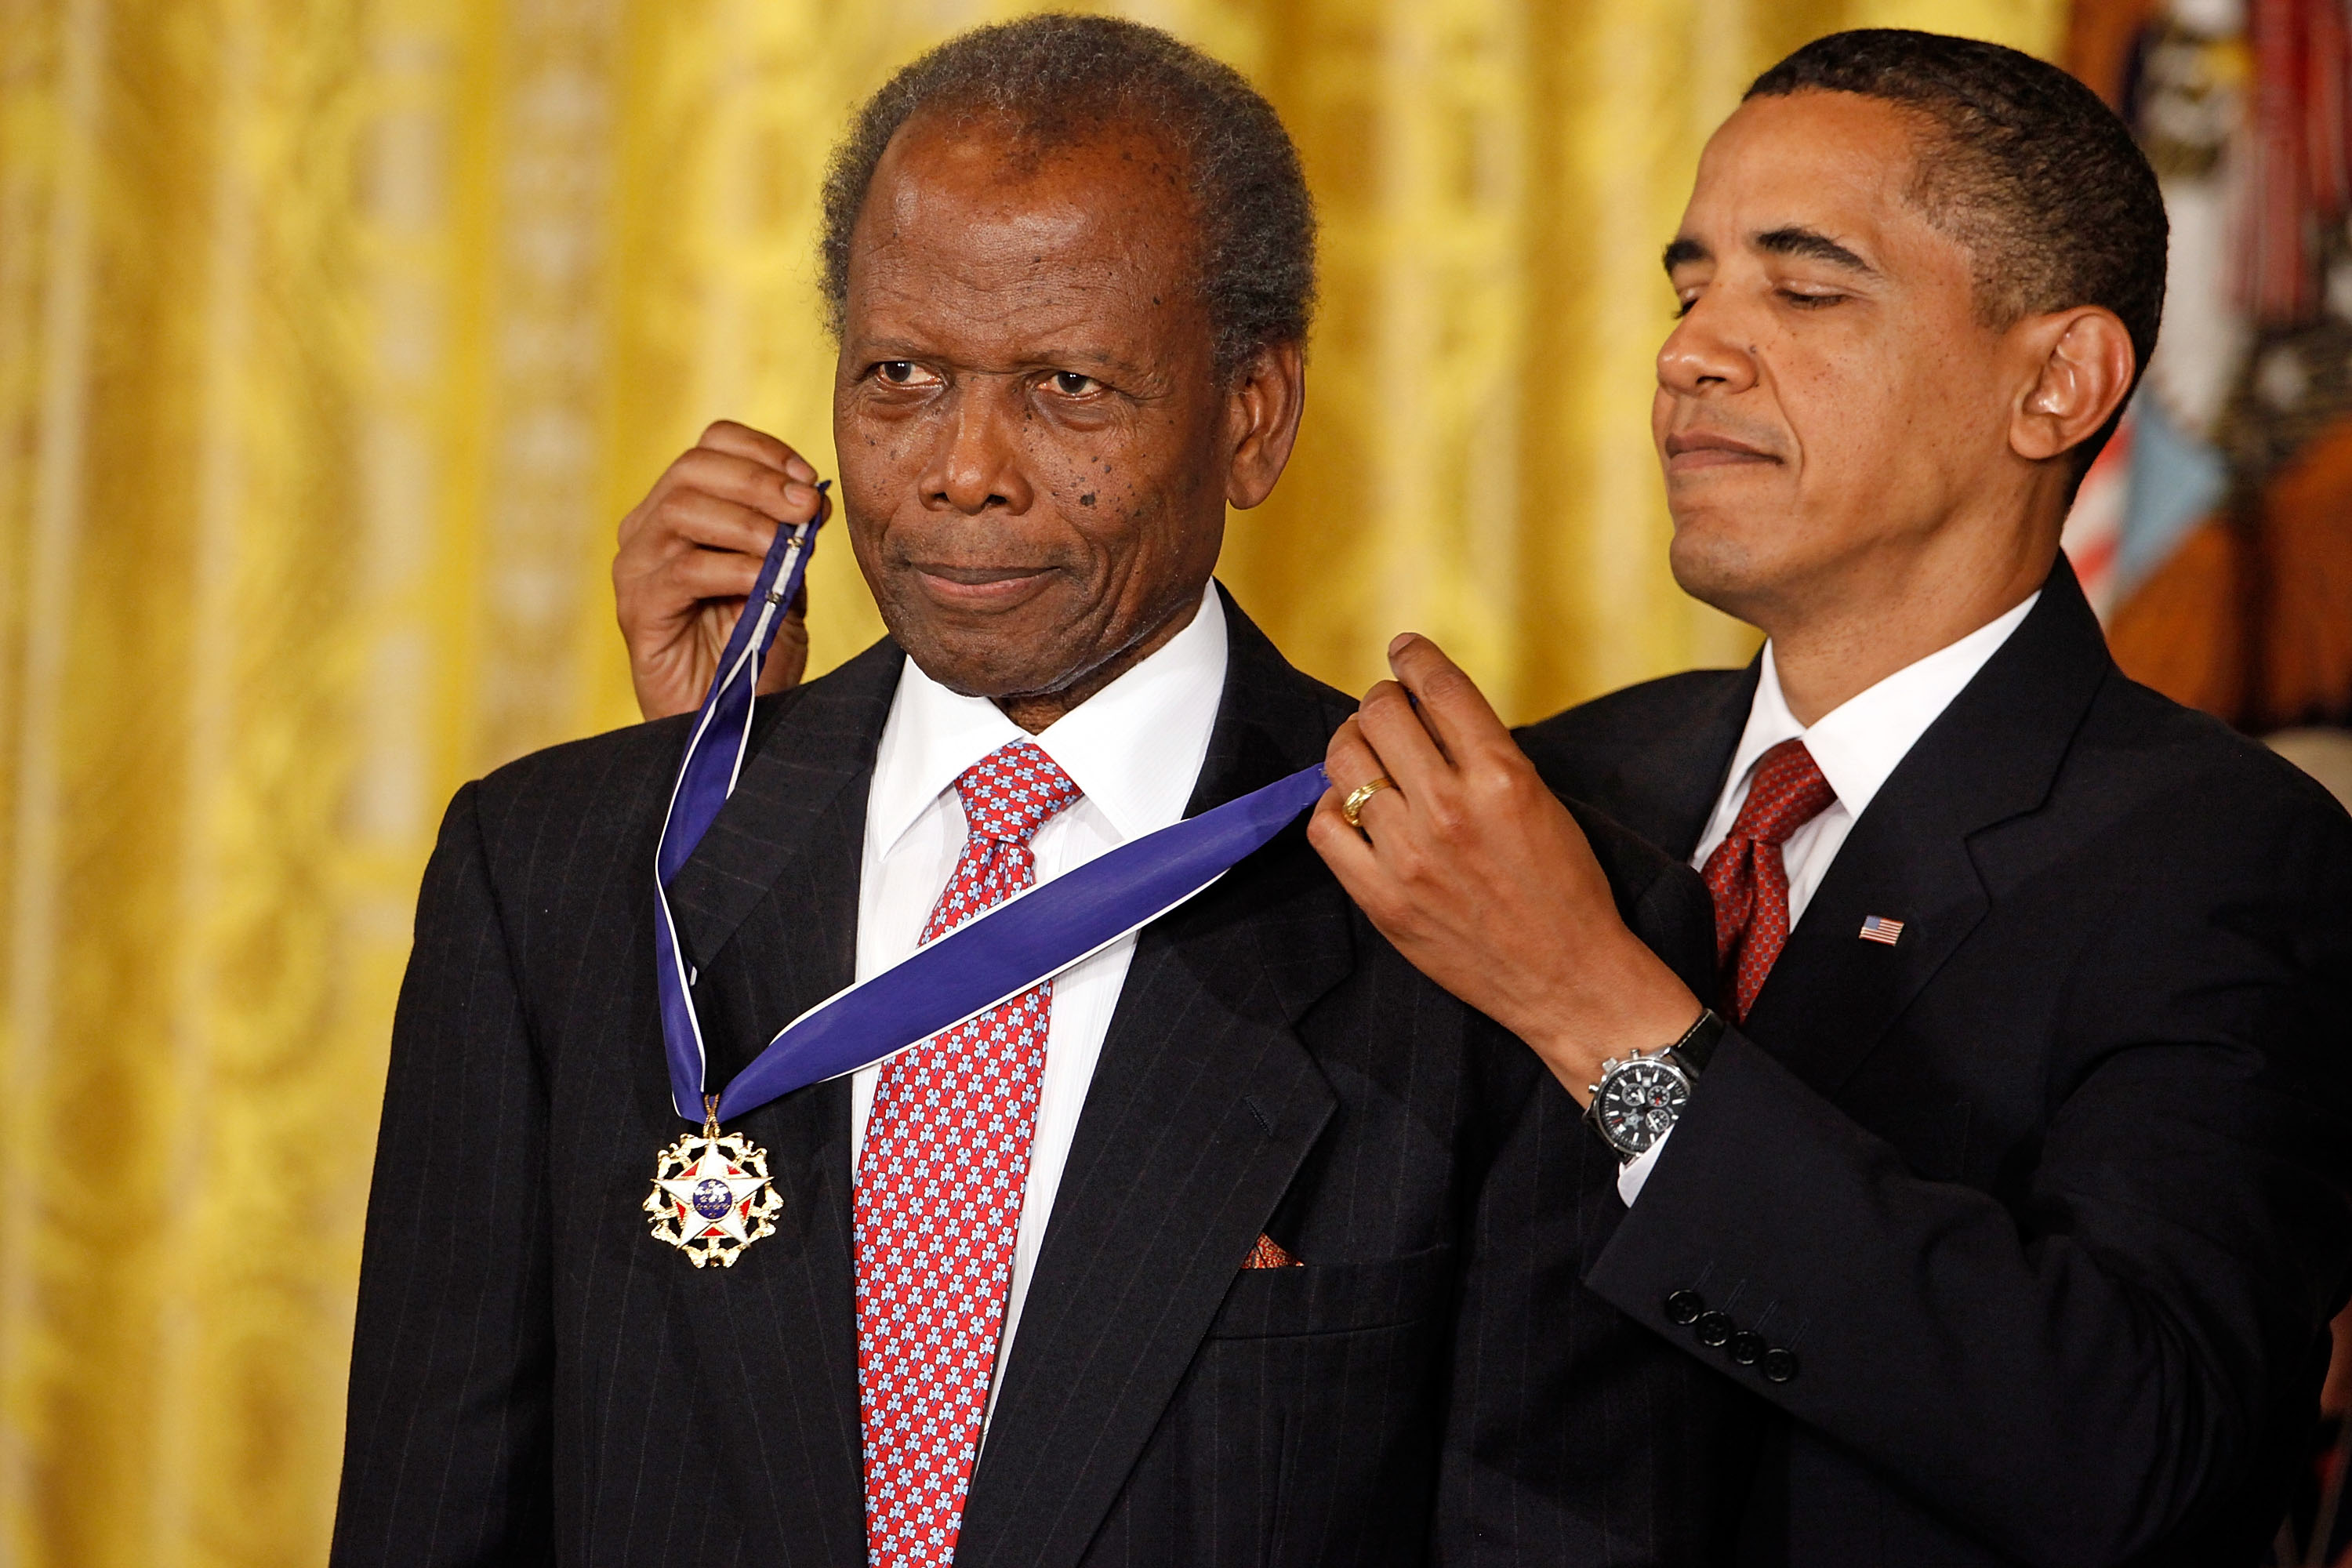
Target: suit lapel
x=806, y=749
x=767, y=908
x=1202, y=1106
x=1992, y=756
x=1668, y=787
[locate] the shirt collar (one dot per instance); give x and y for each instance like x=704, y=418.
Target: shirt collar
x=1859, y=743
x=1135, y=747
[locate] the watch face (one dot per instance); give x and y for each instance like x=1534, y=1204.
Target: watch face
x=1638, y=1102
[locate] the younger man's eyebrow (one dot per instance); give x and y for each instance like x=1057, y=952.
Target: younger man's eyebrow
x=1682, y=250
x=1812, y=243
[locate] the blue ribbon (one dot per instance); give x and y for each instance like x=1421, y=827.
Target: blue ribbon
x=722, y=731
x=1029, y=937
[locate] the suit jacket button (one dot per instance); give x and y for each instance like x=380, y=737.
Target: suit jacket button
x=1779, y=1365
x=1712, y=1328
x=1683, y=1307
x=1747, y=1347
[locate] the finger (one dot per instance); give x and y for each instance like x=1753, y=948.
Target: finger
x=1453, y=709
x=742, y=441
x=1407, y=752
x=700, y=575
x=690, y=521
x=1352, y=860
x=1349, y=763
x=746, y=483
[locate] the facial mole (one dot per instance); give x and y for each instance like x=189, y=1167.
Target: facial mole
x=1088, y=498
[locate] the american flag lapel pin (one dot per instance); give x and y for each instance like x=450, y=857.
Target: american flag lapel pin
x=1878, y=928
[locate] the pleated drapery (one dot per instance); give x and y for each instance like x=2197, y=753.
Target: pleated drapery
x=335, y=336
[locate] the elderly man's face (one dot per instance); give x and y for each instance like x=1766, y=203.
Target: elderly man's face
x=1035, y=449
x=1830, y=399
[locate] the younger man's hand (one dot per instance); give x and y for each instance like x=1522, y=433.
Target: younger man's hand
x=1478, y=873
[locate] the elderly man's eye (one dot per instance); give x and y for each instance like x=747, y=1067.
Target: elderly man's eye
x=902, y=373
x=1070, y=384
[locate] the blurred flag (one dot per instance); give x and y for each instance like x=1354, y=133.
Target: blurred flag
x=2147, y=492
x=2184, y=92
x=2094, y=527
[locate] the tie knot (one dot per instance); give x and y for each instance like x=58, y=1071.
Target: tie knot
x=1787, y=792
x=1012, y=792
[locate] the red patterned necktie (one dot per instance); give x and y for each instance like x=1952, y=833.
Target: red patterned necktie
x=940, y=1182
x=1746, y=874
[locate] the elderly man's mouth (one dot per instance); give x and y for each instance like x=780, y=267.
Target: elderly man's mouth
x=980, y=587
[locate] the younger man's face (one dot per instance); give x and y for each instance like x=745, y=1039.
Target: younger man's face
x=1033, y=441
x=1831, y=397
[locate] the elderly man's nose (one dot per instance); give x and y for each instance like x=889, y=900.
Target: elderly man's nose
x=1708, y=351
x=978, y=464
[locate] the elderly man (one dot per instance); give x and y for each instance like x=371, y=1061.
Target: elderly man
x=2013, y=1175
x=1237, y=1241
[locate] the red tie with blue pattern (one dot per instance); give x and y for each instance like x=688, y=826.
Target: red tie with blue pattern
x=1746, y=874
x=939, y=1182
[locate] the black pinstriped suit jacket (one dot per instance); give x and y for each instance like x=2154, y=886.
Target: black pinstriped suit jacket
x=535, y=1379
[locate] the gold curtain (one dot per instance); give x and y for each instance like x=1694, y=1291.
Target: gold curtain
x=334, y=337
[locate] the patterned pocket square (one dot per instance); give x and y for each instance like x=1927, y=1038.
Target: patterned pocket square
x=1268, y=1254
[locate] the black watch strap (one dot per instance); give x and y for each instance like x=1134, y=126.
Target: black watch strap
x=1699, y=1042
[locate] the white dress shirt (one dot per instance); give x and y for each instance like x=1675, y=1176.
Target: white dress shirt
x=1857, y=745
x=1135, y=748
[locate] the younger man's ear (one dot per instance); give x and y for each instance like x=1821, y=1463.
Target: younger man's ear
x=2083, y=363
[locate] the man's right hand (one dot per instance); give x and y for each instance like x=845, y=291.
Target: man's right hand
x=689, y=552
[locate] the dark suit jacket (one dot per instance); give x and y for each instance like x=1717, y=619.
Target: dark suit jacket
x=535, y=1378
x=2048, y=1199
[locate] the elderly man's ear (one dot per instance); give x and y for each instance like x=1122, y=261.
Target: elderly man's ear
x=2081, y=362
x=1268, y=394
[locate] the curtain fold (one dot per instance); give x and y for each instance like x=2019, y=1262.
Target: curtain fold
x=336, y=336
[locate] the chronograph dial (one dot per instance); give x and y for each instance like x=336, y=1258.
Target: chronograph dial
x=1638, y=1100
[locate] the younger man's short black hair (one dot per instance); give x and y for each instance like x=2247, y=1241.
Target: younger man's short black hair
x=2024, y=165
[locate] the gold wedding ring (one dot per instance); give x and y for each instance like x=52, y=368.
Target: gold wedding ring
x=1362, y=792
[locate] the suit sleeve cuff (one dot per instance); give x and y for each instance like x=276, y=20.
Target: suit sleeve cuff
x=1636, y=1170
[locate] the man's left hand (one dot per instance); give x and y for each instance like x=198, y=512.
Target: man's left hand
x=1478, y=873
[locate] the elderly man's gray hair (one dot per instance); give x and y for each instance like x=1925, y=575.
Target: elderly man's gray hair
x=1061, y=79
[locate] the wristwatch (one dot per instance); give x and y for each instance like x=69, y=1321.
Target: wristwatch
x=1638, y=1100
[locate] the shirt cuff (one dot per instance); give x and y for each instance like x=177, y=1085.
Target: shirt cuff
x=1636, y=1170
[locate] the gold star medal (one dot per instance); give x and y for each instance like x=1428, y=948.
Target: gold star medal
x=711, y=1197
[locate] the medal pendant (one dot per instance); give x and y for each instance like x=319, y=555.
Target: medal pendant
x=712, y=1198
